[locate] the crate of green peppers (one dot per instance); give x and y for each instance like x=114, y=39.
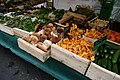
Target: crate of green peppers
x=107, y=63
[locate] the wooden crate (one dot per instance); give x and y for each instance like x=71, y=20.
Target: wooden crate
x=34, y=51
x=95, y=72
x=93, y=40
x=113, y=42
x=89, y=39
x=6, y=29
x=117, y=77
x=34, y=2
x=70, y=59
x=20, y=33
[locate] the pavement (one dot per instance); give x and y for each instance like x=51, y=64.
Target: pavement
x=13, y=67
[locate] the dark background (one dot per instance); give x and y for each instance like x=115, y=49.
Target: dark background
x=13, y=67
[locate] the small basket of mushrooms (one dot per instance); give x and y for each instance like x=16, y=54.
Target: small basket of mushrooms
x=44, y=37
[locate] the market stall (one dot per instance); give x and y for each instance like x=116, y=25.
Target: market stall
x=70, y=43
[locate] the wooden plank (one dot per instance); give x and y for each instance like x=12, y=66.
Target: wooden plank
x=0, y=27
x=34, y=2
x=20, y=33
x=34, y=51
x=69, y=15
x=70, y=59
x=6, y=29
x=117, y=77
x=65, y=18
x=93, y=40
x=95, y=72
x=114, y=42
x=89, y=39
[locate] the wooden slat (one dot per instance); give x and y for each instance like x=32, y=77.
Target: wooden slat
x=95, y=72
x=117, y=77
x=6, y=29
x=70, y=59
x=20, y=33
x=34, y=51
x=114, y=42
x=93, y=40
x=69, y=15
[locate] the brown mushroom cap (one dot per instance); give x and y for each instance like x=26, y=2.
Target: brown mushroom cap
x=42, y=38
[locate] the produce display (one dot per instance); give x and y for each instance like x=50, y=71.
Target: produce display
x=3, y=19
x=28, y=22
x=70, y=17
x=98, y=24
x=92, y=33
x=111, y=35
x=26, y=9
x=68, y=33
x=84, y=10
x=13, y=6
x=44, y=13
x=108, y=56
x=21, y=22
x=45, y=37
x=77, y=44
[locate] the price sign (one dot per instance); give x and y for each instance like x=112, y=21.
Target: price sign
x=99, y=42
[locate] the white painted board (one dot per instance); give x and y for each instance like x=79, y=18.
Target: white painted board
x=6, y=29
x=95, y=72
x=117, y=77
x=70, y=59
x=89, y=39
x=20, y=32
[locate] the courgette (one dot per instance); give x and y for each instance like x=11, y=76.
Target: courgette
x=109, y=65
x=112, y=51
x=100, y=49
x=110, y=57
x=98, y=53
x=115, y=68
x=100, y=62
x=112, y=46
x=106, y=55
x=116, y=56
x=104, y=63
x=96, y=59
x=102, y=55
x=105, y=50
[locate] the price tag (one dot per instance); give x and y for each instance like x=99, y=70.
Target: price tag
x=99, y=42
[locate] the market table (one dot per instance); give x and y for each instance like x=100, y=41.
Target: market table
x=51, y=66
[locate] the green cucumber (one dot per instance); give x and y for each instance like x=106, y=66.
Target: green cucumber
x=116, y=56
x=104, y=63
x=100, y=62
x=106, y=55
x=98, y=53
x=101, y=49
x=112, y=51
x=109, y=65
x=115, y=68
x=105, y=50
x=96, y=59
x=110, y=57
x=102, y=55
x=112, y=46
